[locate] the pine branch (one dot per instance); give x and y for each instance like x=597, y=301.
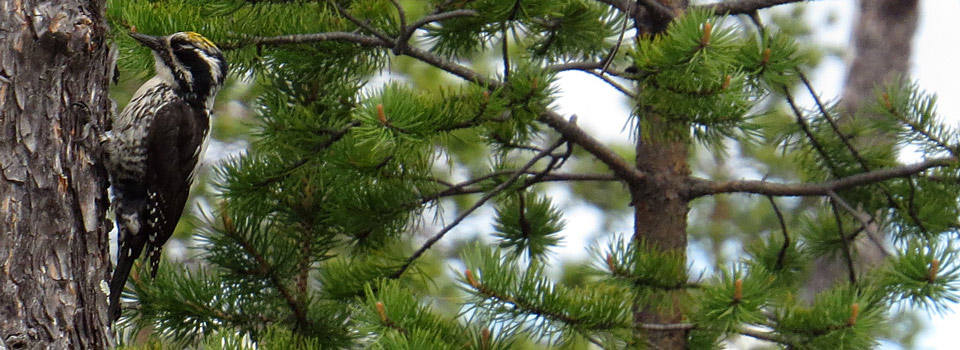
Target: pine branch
x=495, y=191
x=296, y=306
x=334, y=137
x=569, y=130
x=739, y=7
x=698, y=187
x=532, y=308
x=853, y=151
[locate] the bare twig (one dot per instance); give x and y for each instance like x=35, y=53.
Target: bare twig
x=870, y=225
x=560, y=67
x=405, y=32
x=833, y=123
x=613, y=51
x=806, y=130
x=614, y=84
x=402, y=14
x=571, y=132
x=490, y=194
x=782, y=255
x=437, y=17
x=363, y=24
x=667, y=326
x=307, y=38
x=738, y=7
x=844, y=243
x=688, y=326
x=698, y=187
x=770, y=337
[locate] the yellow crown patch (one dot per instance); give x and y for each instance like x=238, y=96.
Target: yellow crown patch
x=199, y=40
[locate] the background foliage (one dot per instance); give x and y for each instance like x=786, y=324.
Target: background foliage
x=358, y=160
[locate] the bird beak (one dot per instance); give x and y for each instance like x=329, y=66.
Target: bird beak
x=155, y=43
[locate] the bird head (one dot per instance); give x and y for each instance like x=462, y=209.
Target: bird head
x=188, y=62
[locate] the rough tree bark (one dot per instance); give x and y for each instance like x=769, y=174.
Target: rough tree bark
x=882, y=42
x=54, y=253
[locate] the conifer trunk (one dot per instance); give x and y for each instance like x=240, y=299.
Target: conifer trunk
x=54, y=71
x=660, y=209
x=660, y=220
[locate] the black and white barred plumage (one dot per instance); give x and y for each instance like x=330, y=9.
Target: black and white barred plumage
x=155, y=145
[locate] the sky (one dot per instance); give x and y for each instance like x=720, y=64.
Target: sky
x=935, y=61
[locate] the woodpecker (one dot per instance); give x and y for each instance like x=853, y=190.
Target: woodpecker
x=154, y=147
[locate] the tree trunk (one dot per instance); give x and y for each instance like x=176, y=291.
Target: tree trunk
x=660, y=210
x=882, y=41
x=660, y=217
x=53, y=235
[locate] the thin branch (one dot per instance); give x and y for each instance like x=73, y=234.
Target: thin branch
x=806, y=131
x=577, y=177
x=307, y=38
x=560, y=67
x=833, y=124
x=572, y=132
x=698, y=187
x=869, y=223
x=450, y=67
x=464, y=188
x=403, y=16
x=844, y=243
x=767, y=336
x=739, y=7
x=495, y=191
x=782, y=254
x=667, y=326
x=613, y=51
x=440, y=17
x=268, y=271
x=334, y=137
x=363, y=24
x=615, y=85
x=405, y=32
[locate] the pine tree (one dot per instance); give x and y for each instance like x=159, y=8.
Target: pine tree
x=321, y=235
